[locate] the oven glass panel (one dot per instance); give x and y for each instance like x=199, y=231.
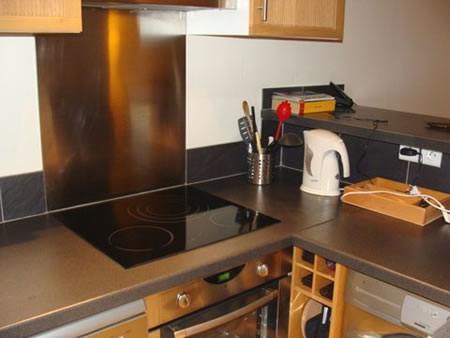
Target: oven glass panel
x=255, y=324
x=252, y=314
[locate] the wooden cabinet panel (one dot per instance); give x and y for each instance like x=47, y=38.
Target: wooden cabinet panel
x=303, y=291
x=357, y=320
x=132, y=328
x=306, y=19
x=40, y=16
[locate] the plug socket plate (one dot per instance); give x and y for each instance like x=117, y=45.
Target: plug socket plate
x=431, y=158
x=414, y=159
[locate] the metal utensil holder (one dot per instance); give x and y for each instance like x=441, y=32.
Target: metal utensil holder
x=260, y=168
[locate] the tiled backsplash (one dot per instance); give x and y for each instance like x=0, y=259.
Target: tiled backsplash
x=216, y=161
x=22, y=195
x=223, y=159
x=432, y=177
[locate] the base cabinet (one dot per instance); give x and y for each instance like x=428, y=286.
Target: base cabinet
x=40, y=16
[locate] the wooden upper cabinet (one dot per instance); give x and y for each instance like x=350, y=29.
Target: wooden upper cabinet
x=40, y=16
x=303, y=19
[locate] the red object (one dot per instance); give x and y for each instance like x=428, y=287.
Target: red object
x=284, y=112
x=302, y=108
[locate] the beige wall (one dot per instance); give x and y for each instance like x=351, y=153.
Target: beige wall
x=20, y=145
x=395, y=54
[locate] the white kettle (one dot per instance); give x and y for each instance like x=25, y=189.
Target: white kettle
x=320, y=165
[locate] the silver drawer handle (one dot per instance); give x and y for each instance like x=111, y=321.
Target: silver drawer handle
x=206, y=326
x=265, y=6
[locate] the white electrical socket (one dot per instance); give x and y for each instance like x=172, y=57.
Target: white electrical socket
x=414, y=159
x=431, y=158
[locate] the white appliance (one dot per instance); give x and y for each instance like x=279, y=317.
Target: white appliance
x=321, y=166
x=396, y=306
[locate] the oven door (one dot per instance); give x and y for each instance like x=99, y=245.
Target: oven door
x=251, y=314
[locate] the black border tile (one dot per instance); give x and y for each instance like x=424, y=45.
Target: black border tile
x=216, y=161
x=23, y=195
x=432, y=177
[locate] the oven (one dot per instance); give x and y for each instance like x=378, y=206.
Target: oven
x=246, y=301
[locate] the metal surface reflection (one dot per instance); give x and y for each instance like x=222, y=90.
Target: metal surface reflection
x=112, y=105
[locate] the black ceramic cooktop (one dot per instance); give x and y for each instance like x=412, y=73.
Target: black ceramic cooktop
x=142, y=228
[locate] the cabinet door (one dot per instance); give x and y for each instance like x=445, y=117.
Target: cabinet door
x=132, y=328
x=303, y=19
x=40, y=16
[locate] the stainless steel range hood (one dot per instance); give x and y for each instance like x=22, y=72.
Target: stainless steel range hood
x=179, y=5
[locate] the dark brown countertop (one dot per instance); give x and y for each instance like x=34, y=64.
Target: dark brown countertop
x=50, y=276
x=401, y=127
x=403, y=254
x=414, y=258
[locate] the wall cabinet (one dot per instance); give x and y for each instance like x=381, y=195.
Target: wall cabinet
x=293, y=19
x=40, y=16
x=309, y=19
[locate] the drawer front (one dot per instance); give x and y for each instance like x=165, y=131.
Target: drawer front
x=132, y=328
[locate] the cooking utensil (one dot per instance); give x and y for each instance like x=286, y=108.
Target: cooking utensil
x=246, y=109
x=291, y=140
x=258, y=143
x=255, y=127
x=284, y=112
x=244, y=130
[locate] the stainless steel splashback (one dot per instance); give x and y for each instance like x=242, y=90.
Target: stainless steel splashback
x=112, y=105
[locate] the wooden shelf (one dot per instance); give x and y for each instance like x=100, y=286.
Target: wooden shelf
x=317, y=298
x=304, y=291
x=301, y=275
x=308, y=267
x=320, y=283
x=323, y=275
x=321, y=268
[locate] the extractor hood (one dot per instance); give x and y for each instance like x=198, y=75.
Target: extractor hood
x=183, y=5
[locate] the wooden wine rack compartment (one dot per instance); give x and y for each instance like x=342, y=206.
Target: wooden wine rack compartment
x=322, y=276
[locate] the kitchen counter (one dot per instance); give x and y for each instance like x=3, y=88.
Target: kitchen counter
x=50, y=276
x=411, y=257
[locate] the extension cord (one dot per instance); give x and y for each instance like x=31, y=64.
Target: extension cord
x=431, y=200
x=413, y=192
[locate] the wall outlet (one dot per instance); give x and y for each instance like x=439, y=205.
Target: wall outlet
x=402, y=157
x=431, y=158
